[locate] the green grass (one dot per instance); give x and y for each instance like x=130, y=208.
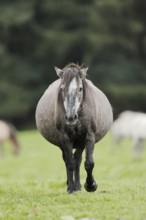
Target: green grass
x=32, y=185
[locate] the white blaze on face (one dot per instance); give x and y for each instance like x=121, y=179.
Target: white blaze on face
x=72, y=97
x=73, y=86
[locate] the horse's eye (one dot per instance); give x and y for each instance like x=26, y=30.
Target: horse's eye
x=80, y=89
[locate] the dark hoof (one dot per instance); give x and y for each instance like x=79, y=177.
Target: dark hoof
x=77, y=188
x=70, y=192
x=90, y=187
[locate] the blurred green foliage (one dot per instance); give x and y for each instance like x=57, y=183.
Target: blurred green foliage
x=108, y=36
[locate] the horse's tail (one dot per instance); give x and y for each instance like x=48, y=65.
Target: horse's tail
x=14, y=139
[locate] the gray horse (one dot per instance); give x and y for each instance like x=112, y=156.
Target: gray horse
x=74, y=114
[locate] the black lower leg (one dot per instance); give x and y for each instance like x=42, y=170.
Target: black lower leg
x=90, y=184
x=77, y=158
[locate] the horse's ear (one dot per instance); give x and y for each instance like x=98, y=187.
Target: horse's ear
x=59, y=72
x=84, y=72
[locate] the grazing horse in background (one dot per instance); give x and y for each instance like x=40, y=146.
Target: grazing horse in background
x=8, y=132
x=74, y=114
x=131, y=125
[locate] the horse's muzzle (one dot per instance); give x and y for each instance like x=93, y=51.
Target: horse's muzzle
x=71, y=119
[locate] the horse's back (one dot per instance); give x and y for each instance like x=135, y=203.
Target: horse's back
x=130, y=124
x=138, y=128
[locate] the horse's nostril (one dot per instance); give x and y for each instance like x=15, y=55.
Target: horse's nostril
x=66, y=117
x=70, y=118
x=75, y=117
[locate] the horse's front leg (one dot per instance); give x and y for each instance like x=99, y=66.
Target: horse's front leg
x=63, y=156
x=69, y=162
x=90, y=184
x=78, y=159
x=70, y=169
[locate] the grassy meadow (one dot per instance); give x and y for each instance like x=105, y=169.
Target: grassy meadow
x=32, y=185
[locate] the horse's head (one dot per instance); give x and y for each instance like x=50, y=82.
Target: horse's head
x=72, y=90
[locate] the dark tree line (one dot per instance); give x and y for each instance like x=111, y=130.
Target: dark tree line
x=108, y=36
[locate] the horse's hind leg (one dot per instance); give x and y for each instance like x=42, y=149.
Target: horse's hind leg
x=1, y=150
x=78, y=159
x=90, y=184
x=138, y=148
x=15, y=144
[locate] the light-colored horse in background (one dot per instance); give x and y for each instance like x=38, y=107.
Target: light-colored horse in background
x=131, y=125
x=8, y=133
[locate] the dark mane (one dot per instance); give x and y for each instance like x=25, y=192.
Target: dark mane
x=70, y=71
x=73, y=65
